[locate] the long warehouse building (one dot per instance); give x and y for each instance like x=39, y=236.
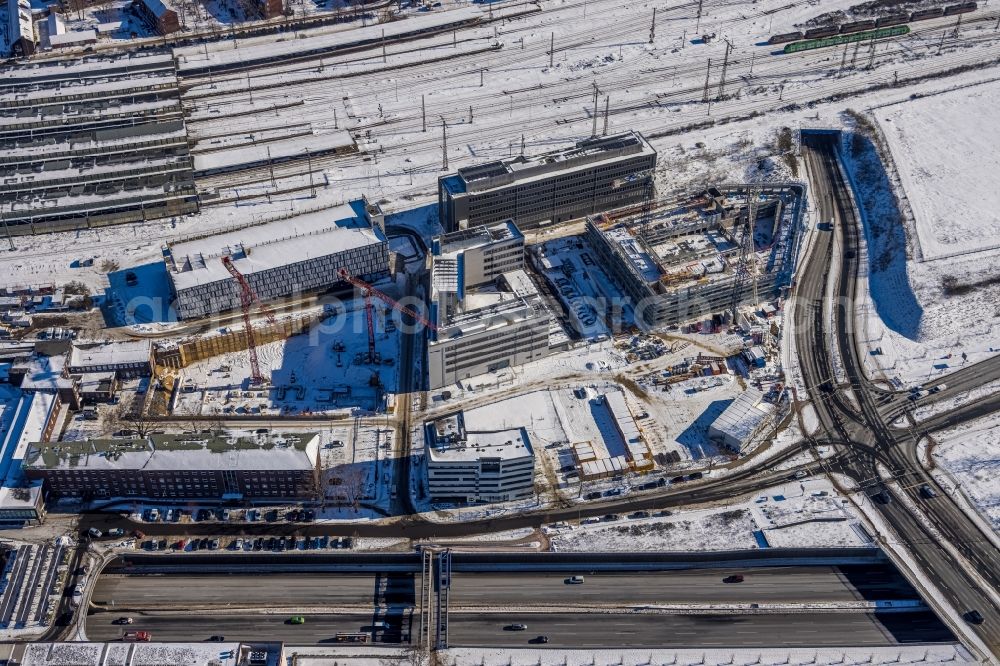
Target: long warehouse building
x=278, y=259
x=596, y=175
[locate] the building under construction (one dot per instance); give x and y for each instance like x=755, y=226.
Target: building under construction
x=686, y=258
x=278, y=259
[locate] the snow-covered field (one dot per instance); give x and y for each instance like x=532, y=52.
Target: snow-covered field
x=970, y=454
x=798, y=514
x=934, y=280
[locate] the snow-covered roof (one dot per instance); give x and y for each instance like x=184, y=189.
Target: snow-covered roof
x=297, y=147
x=43, y=373
x=31, y=415
x=138, y=654
x=266, y=246
x=506, y=445
x=157, y=8
x=632, y=249
x=110, y=353
x=73, y=38
x=585, y=153
x=292, y=451
x=742, y=417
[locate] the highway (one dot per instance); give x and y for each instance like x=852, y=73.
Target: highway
x=562, y=628
x=773, y=584
x=864, y=431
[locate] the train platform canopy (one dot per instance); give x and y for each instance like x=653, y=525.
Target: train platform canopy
x=272, y=245
x=262, y=154
x=223, y=54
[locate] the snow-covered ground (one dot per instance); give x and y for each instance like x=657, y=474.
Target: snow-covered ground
x=934, y=260
x=806, y=513
x=970, y=456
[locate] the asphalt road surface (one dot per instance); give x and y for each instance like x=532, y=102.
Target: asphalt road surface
x=601, y=630
x=180, y=626
x=562, y=629
x=776, y=584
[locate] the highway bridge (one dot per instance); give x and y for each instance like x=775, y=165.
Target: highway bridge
x=849, y=604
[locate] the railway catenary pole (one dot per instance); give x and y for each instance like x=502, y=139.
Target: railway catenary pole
x=725, y=66
x=871, y=56
x=652, y=27
x=697, y=26
x=607, y=106
x=552, y=48
x=941, y=43
x=593, y=131
x=444, y=144
x=708, y=71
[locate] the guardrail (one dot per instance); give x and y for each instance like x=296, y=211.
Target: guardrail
x=345, y=562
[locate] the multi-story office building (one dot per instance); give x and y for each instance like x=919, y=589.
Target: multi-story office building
x=180, y=466
x=596, y=175
x=486, y=466
x=489, y=314
x=278, y=259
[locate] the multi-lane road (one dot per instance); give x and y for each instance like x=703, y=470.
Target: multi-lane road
x=943, y=541
x=662, y=608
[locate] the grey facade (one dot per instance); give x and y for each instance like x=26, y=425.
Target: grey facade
x=598, y=174
x=488, y=312
x=483, y=466
x=278, y=259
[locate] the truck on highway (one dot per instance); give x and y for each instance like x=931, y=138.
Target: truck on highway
x=137, y=636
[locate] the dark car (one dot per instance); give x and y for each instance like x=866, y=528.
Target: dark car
x=927, y=492
x=517, y=626
x=973, y=617
x=735, y=578
x=292, y=515
x=592, y=496
x=539, y=639
x=695, y=475
x=216, y=639
x=307, y=516
x=678, y=479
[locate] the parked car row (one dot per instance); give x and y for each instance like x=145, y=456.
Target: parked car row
x=249, y=544
x=222, y=514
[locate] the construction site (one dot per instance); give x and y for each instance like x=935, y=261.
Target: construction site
x=707, y=254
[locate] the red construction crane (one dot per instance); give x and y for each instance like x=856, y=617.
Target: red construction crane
x=370, y=291
x=247, y=298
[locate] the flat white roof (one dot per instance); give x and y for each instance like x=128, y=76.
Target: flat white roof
x=110, y=353
x=506, y=445
x=270, y=245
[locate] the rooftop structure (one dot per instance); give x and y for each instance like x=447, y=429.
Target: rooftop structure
x=20, y=29
x=735, y=427
x=679, y=261
x=207, y=465
x=33, y=420
x=488, y=312
x=301, y=253
x=485, y=466
x=596, y=175
x=131, y=358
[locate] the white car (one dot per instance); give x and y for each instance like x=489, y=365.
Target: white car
x=94, y=532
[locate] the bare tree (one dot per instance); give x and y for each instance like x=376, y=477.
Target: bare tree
x=132, y=416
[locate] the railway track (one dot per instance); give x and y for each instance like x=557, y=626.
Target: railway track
x=682, y=98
